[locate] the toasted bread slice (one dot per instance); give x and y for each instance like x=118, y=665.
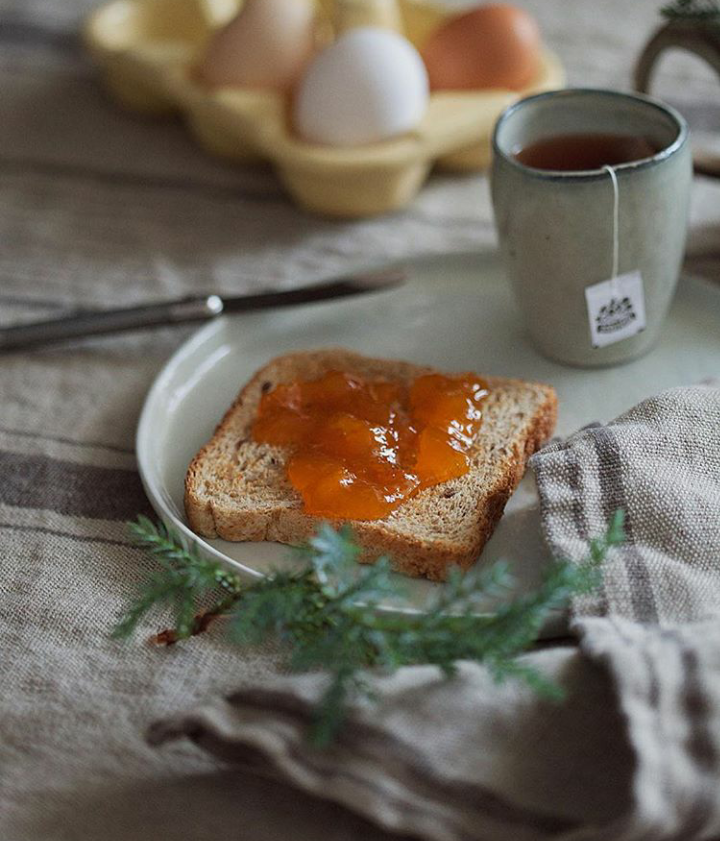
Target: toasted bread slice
x=238, y=490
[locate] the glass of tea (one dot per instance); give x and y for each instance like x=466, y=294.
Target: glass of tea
x=590, y=191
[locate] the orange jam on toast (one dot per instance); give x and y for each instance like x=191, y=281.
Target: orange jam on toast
x=362, y=447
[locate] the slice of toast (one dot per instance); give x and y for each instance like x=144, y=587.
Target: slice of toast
x=238, y=489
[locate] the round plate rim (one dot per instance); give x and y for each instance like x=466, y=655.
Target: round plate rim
x=142, y=440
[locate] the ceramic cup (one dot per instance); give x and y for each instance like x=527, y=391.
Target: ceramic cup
x=556, y=229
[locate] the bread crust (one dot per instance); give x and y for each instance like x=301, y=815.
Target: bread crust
x=415, y=547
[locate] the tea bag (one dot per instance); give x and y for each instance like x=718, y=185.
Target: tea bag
x=616, y=307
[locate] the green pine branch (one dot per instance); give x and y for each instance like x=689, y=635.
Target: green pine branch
x=326, y=614
x=183, y=579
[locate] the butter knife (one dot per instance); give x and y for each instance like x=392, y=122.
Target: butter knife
x=194, y=308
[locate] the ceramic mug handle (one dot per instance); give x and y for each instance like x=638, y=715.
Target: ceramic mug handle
x=694, y=37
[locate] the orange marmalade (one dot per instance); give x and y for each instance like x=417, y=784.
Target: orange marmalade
x=362, y=447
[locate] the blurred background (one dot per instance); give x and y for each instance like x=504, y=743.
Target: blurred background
x=104, y=205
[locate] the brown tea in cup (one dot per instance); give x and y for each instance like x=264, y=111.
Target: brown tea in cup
x=582, y=152
x=585, y=229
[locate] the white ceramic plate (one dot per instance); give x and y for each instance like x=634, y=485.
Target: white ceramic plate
x=455, y=313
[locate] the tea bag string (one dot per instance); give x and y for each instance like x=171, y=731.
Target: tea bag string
x=616, y=225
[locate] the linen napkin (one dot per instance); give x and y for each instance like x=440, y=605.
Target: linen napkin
x=632, y=754
x=660, y=463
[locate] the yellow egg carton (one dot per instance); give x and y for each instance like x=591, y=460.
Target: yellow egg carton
x=148, y=49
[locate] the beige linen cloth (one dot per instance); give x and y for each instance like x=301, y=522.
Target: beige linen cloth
x=101, y=207
x=633, y=754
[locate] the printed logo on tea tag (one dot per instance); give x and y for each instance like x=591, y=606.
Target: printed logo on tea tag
x=616, y=309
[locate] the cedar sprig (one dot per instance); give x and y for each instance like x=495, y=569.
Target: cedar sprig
x=184, y=578
x=327, y=613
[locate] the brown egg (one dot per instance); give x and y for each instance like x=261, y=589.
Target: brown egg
x=267, y=45
x=494, y=46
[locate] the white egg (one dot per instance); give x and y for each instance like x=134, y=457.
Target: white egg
x=369, y=85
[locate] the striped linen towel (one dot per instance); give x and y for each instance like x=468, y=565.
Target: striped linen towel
x=632, y=754
x=660, y=463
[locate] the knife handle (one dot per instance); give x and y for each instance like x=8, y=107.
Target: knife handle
x=92, y=323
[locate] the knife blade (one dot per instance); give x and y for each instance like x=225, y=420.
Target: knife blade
x=85, y=323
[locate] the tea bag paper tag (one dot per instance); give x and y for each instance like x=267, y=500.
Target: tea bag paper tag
x=616, y=309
